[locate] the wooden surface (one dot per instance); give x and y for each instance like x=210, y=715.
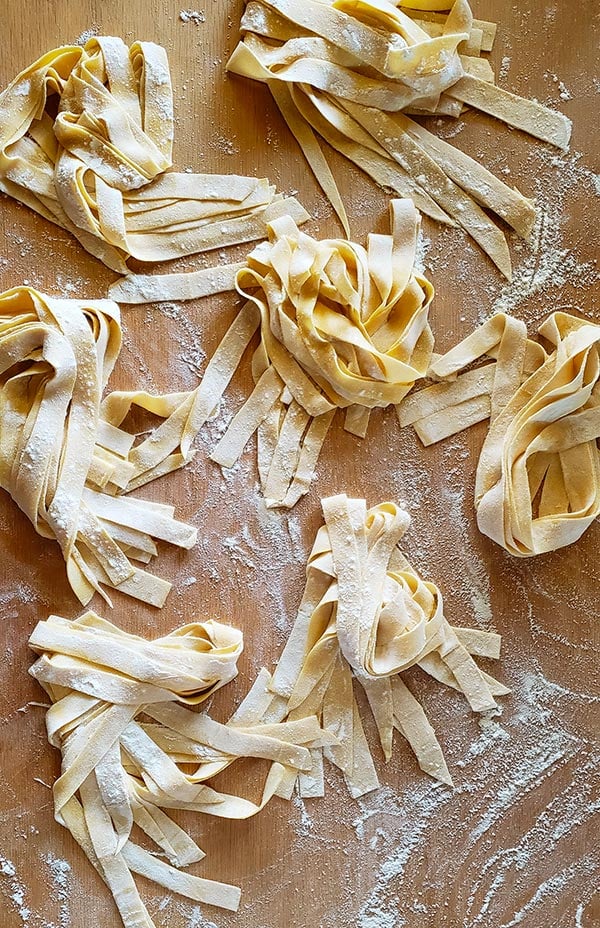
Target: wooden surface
x=516, y=842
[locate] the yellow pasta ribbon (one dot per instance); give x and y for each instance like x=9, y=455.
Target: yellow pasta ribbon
x=538, y=475
x=64, y=460
x=366, y=614
x=97, y=167
x=353, y=72
x=342, y=327
x=132, y=747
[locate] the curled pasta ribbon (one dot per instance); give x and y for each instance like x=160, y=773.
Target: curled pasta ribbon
x=353, y=72
x=366, y=614
x=63, y=459
x=120, y=718
x=353, y=319
x=97, y=167
x=342, y=327
x=538, y=475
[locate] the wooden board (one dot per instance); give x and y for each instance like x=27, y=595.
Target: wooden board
x=516, y=842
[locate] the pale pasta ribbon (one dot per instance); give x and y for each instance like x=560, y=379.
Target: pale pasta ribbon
x=538, y=475
x=121, y=717
x=342, y=327
x=367, y=615
x=98, y=167
x=353, y=72
x=64, y=460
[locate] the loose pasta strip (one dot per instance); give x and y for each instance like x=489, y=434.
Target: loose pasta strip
x=62, y=460
x=86, y=138
x=354, y=71
x=538, y=475
x=341, y=327
x=122, y=717
x=367, y=615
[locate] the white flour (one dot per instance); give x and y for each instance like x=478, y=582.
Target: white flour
x=504, y=68
x=381, y=908
x=192, y=16
x=545, y=266
x=13, y=890
x=586, y=867
x=60, y=871
x=87, y=35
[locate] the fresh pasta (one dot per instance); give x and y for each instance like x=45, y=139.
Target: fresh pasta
x=122, y=716
x=100, y=166
x=63, y=458
x=538, y=475
x=355, y=72
x=341, y=327
x=367, y=615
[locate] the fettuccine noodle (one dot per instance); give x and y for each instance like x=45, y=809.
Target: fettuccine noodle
x=98, y=167
x=366, y=614
x=341, y=327
x=63, y=458
x=120, y=718
x=538, y=476
x=354, y=71
x=132, y=746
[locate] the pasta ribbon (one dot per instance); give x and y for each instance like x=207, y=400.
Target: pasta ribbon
x=63, y=458
x=86, y=137
x=122, y=716
x=354, y=72
x=367, y=615
x=538, y=475
x=342, y=327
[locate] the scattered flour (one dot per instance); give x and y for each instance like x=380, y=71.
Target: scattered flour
x=546, y=266
x=586, y=867
x=192, y=16
x=14, y=890
x=526, y=765
x=382, y=906
x=563, y=92
x=198, y=920
x=504, y=67
x=188, y=581
x=423, y=246
x=60, y=871
x=87, y=35
x=306, y=824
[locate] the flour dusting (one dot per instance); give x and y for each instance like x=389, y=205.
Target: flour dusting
x=513, y=844
x=60, y=872
x=192, y=16
x=13, y=890
x=87, y=34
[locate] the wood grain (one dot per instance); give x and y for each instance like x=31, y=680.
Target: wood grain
x=516, y=842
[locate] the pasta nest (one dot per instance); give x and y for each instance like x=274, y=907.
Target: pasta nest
x=538, y=476
x=86, y=139
x=63, y=458
x=342, y=324
x=374, y=630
